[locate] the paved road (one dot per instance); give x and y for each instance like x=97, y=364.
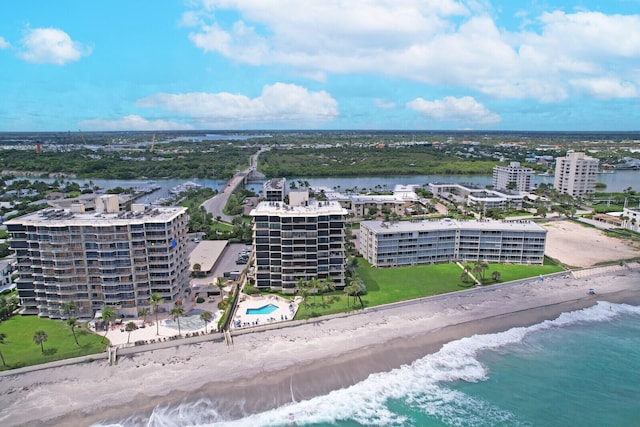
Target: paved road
x=216, y=204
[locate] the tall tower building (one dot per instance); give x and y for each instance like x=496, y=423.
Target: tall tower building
x=576, y=174
x=112, y=258
x=514, y=177
x=298, y=242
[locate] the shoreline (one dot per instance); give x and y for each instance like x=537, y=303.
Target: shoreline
x=293, y=363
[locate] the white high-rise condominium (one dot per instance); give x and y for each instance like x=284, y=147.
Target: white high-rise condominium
x=576, y=174
x=512, y=177
x=111, y=258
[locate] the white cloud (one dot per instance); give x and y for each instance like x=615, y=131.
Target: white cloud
x=606, y=88
x=51, y=46
x=4, y=44
x=131, y=122
x=383, y=103
x=465, y=110
x=278, y=103
x=440, y=42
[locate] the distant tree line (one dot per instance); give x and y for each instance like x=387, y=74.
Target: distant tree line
x=203, y=161
x=356, y=161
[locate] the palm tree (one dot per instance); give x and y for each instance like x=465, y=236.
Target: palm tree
x=314, y=285
x=464, y=277
x=108, y=314
x=220, y=285
x=72, y=322
x=325, y=285
x=40, y=337
x=206, y=318
x=358, y=288
x=144, y=313
x=177, y=312
x=155, y=301
x=69, y=307
x=197, y=268
x=355, y=288
x=3, y=336
x=130, y=327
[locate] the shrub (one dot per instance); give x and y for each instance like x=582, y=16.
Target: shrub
x=200, y=300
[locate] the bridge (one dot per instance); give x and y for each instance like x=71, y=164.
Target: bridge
x=216, y=204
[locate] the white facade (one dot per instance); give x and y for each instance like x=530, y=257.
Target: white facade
x=94, y=260
x=477, y=197
x=576, y=174
x=6, y=271
x=631, y=219
x=298, y=242
x=424, y=242
x=514, y=173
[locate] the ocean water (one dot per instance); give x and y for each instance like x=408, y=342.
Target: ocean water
x=581, y=369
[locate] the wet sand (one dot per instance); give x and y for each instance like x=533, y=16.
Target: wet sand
x=264, y=370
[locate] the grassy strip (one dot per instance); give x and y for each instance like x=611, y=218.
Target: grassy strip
x=388, y=285
x=19, y=349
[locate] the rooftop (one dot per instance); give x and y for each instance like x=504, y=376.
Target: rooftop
x=447, y=223
x=313, y=208
x=64, y=217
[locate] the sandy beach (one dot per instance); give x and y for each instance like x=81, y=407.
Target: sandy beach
x=267, y=369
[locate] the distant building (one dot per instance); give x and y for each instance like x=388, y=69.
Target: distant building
x=298, y=242
x=386, y=244
x=275, y=189
x=6, y=271
x=576, y=174
x=631, y=218
x=477, y=197
x=111, y=258
x=514, y=175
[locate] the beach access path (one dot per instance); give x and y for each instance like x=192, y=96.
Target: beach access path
x=267, y=369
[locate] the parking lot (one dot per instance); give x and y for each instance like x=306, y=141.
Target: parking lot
x=227, y=261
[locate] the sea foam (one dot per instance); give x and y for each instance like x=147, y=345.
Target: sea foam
x=423, y=385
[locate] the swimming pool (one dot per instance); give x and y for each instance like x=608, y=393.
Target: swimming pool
x=265, y=309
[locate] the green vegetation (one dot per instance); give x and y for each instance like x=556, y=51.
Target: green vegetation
x=389, y=285
x=234, y=204
x=354, y=161
x=20, y=349
x=199, y=219
x=210, y=159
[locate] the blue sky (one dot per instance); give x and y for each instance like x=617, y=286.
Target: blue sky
x=319, y=64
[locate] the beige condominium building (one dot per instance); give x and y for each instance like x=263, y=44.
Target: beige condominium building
x=386, y=244
x=576, y=174
x=512, y=177
x=104, y=258
x=298, y=242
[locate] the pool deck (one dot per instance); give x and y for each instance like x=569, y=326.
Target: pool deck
x=286, y=311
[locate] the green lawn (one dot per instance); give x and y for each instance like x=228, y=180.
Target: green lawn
x=19, y=349
x=388, y=285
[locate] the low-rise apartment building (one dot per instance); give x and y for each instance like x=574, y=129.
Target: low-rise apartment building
x=298, y=242
x=386, y=244
x=477, y=197
x=110, y=258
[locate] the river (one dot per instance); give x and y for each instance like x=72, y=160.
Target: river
x=615, y=182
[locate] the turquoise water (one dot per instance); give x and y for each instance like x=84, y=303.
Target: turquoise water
x=266, y=309
x=581, y=369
